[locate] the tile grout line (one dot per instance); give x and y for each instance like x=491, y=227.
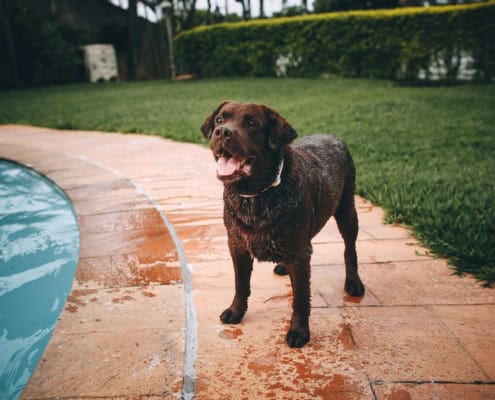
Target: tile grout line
x=452, y=334
x=191, y=331
x=348, y=328
x=379, y=382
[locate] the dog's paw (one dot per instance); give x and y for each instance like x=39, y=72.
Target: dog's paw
x=280, y=270
x=297, y=338
x=229, y=316
x=354, y=287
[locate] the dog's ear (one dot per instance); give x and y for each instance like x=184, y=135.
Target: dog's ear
x=207, y=127
x=279, y=131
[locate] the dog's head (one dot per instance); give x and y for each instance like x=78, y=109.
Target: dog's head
x=245, y=139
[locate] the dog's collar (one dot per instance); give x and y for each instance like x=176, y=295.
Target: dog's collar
x=275, y=183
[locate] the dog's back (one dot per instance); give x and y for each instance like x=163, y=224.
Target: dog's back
x=329, y=171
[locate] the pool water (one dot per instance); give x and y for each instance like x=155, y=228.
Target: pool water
x=39, y=251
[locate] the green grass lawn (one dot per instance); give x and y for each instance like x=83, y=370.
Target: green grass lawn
x=427, y=155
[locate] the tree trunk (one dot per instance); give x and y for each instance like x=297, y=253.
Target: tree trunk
x=188, y=23
x=245, y=11
x=133, y=40
x=244, y=14
x=262, y=9
x=208, y=13
x=9, y=57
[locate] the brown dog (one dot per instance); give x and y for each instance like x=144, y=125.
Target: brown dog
x=276, y=198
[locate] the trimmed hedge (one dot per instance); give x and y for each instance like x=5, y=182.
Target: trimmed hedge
x=390, y=44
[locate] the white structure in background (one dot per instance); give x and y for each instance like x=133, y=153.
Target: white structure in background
x=101, y=62
x=284, y=62
x=438, y=71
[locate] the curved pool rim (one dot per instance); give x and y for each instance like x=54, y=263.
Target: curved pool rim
x=39, y=257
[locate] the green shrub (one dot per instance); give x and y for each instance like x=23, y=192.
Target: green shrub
x=390, y=44
x=37, y=51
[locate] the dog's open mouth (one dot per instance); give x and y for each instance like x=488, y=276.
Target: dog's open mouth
x=230, y=166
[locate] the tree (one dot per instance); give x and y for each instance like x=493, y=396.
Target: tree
x=345, y=5
x=208, y=14
x=290, y=11
x=189, y=7
x=133, y=39
x=8, y=64
x=246, y=8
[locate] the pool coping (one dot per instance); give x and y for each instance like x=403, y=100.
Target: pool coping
x=190, y=328
x=416, y=333
x=24, y=155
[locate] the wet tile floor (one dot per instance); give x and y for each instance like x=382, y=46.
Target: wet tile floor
x=154, y=275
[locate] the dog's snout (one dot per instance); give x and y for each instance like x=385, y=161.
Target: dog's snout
x=223, y=132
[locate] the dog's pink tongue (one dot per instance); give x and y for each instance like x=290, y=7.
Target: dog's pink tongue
x=226, y=167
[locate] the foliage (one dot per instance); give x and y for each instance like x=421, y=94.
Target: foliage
x=291, y=11
x=390, y=44
x=203, y=17
x=321, y=6
x=424, y=153
x=46, y=54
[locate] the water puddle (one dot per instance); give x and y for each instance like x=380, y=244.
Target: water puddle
x=230, y=334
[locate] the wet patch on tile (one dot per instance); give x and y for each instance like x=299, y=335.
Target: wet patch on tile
x=127, y=270
x=329, y=281
x=259, y=364
x=120, y=221
x=441, y=391
x=118, y=310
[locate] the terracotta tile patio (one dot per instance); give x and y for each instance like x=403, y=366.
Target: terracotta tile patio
x=155, y=273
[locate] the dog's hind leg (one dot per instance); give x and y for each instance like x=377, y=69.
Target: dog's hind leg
x=347, y=222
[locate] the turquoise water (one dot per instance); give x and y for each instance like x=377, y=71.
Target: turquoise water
x=39, y=250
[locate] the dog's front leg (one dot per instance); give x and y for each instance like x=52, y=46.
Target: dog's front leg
x=243, y=265
x=298, y=334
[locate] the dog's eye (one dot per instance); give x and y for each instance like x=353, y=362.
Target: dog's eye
x=251, y=123
x=218, y=120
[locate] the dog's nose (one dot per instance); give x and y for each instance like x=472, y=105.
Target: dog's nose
x=223, y=132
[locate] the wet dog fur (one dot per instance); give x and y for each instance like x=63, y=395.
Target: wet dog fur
x=277, y=197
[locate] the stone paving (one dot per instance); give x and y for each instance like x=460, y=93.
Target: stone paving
x=142, y=320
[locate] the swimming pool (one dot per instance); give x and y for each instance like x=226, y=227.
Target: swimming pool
x=39, y=251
